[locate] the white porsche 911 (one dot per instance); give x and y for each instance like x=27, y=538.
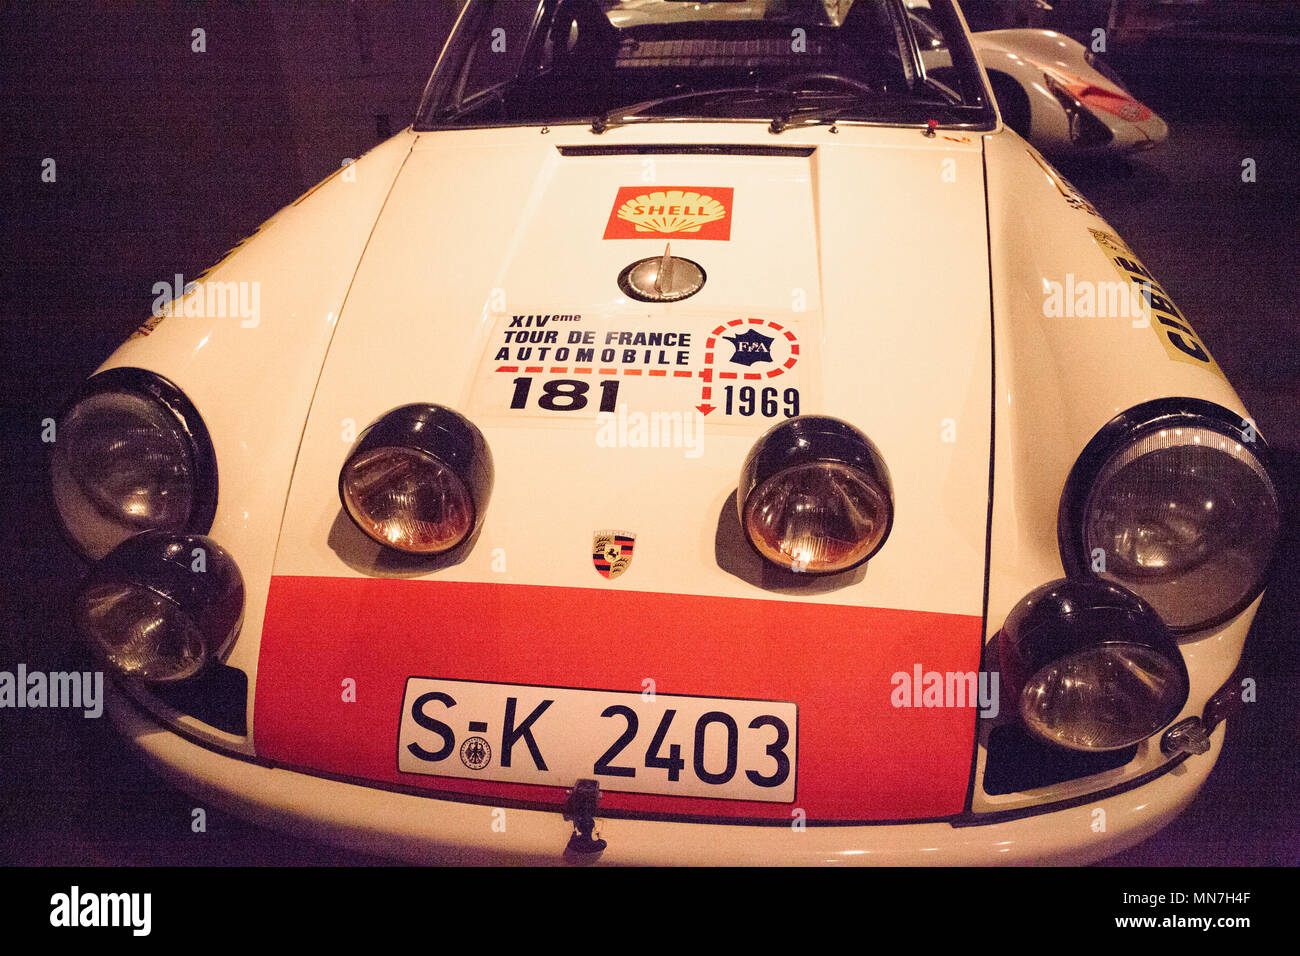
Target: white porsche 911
x=696, y=439
x=1061, y=97
x=1051, y=89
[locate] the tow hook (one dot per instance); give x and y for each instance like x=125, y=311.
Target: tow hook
x=580, y=808
x=1185, y=737
x=1192, y=736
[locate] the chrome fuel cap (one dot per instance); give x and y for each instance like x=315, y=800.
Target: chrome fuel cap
x=665, y=278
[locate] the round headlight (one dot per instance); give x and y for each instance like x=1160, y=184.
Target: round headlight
x=1173, y=501
x=1090, y=666
x=418, y=480
x=130, y=454
x=160, y=607
x=815, y=496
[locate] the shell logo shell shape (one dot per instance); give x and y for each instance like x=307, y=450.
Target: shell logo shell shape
x=689, y=212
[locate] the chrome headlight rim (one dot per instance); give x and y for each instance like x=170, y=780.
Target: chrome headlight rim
x=169, y=397
x=1121, y=433
x=806, y=440
x=435, y=432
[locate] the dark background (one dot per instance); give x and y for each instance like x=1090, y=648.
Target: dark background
x=166, y=158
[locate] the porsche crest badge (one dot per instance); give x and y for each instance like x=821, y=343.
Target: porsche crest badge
x=611, y=552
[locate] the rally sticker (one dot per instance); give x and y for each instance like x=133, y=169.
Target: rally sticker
x=728, y=369
x=1073, y=198
x=1175, y=333
x=670, y=212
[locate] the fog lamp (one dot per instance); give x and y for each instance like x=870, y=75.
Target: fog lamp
x=1090, y=666
x=160, y=606
x=418, y=480
x=815, y=496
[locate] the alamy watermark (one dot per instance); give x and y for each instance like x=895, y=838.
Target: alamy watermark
x=624, y=429
x=221, y=300
x=922, y=688
x=1087, y=299
x=82, y=691
x=75, y=908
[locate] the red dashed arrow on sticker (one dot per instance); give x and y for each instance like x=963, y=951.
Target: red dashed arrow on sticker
x=706, y=390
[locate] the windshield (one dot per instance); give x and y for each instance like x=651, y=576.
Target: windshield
x=608, y=62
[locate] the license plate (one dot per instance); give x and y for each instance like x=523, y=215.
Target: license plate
x=640, y=743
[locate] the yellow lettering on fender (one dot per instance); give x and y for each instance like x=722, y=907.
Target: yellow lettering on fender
x=1174, y=331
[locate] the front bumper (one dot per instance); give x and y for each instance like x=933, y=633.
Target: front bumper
x=425, y=829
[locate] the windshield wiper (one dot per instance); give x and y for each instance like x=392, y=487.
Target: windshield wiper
x=813, y=116
x=622, y=114
x=788, y=119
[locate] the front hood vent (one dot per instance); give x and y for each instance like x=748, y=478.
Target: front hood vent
x=687, y=149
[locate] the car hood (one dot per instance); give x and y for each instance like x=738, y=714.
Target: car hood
x=846, y=271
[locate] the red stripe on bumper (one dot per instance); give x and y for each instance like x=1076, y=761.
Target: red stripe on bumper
x=859, y=757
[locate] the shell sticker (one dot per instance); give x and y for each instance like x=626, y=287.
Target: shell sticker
x=671, y=212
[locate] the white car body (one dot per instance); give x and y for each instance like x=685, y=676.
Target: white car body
x=911, y=268
x=1023, y=63
x=1028, y=57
